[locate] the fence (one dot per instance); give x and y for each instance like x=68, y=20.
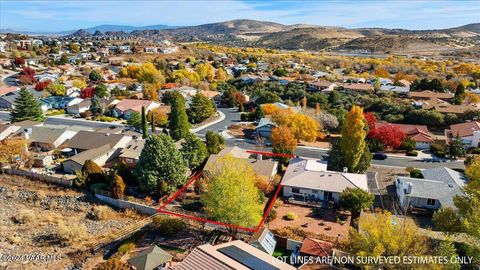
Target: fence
x=129, y=198
x=125, y=202
x=62, y=181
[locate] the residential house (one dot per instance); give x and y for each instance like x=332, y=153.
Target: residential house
x=324, y=86
x=47, y=76
x=316, y=248
x=395, y=89
x=126, y=106
x=404, y=82
x=131, y=152
x=7, y=130
x=468, y=132
x=427, y=94
x=46, y=138
x=86, y=140
x=358, y=87
x=73, y=92
x=263, y=168
x=79, y=107
x=437, y=189
x=420, y=134
x=235, y=255
x=264, y=127
x=59, y=102
x=264, y=240
x=5, y=89
x=309, y=179
x=7, y=101
x=152, y=258
x=100, y=155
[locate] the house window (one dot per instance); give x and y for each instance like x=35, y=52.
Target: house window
x=314, y=191
x=295, y=190
x=431, y=202
x=327, y=195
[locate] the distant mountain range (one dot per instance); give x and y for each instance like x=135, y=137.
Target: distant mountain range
x=91, y=30
x=302, y=36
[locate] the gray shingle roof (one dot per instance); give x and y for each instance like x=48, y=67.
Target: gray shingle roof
x=150, y=258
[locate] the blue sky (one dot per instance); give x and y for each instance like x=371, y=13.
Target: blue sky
x=67, y=15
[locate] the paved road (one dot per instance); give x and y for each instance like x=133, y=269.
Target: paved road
x=231, y=116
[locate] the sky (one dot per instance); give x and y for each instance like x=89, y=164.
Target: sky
x=51, y=16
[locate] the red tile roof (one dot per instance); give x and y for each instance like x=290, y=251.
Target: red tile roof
x=464, y=129
x=133, y=104
x=170, y=85
x=314, y=247
x=7, y=89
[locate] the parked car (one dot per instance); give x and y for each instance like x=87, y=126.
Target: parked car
x=379, y=156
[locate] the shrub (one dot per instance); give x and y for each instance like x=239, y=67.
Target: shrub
x=408, y=144
x=318, y=212
x=101, y=212
x=169, y=226
x=412, y=153
x=271, y=215
x=112, y=264
x=24, y=216
x=416, y=173
x=474, y=151
x=264, y=185
x=290, y=216
x=71, y=231
x=194, y=206
x=437, y=150
x=104, y=118
x=126, y=247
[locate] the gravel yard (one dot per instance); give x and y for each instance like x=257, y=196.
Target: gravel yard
x=47, y=227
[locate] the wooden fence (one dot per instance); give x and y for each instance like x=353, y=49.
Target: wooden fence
x=62, y=181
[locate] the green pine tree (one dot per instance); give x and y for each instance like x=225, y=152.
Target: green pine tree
x=26, y=107
x=179, y=125
x=194, y=151
x=456, y=148
x=144, y=124
x=161, y=167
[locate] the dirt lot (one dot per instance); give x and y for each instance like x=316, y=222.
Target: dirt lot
x=54, y=226
x=326, y=225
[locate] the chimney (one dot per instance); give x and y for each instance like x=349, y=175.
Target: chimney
x=408, y=190
x=27, y=132
x=345, y=170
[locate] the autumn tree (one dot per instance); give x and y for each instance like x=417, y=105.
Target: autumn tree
x=13, y=148
x=353, y=138
x=40, y=86
x=80, y=84
x=94, y=173
x=150, y=91
x=302, y=126
x=161, y=167
x=26, y=107
x=206, y=72
x=159, y=115
x=379, y=235
x=234, y=179
x=117, y=185
x=222, y=75
x=473, y=170
x=283, y=141
x=178, y=123
x=390, y=135
x=371, y=119
x=56, y=89
x=447, y=249
x=148, y=73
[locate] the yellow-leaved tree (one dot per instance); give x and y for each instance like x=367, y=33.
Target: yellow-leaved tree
x=235, y=179
x=381, y=234
x=283, y=141
x=302, y=126
x=206, y=72
x=353, y=143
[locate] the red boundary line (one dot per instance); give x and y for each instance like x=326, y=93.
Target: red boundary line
x=270, y=154
x=195, y=177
